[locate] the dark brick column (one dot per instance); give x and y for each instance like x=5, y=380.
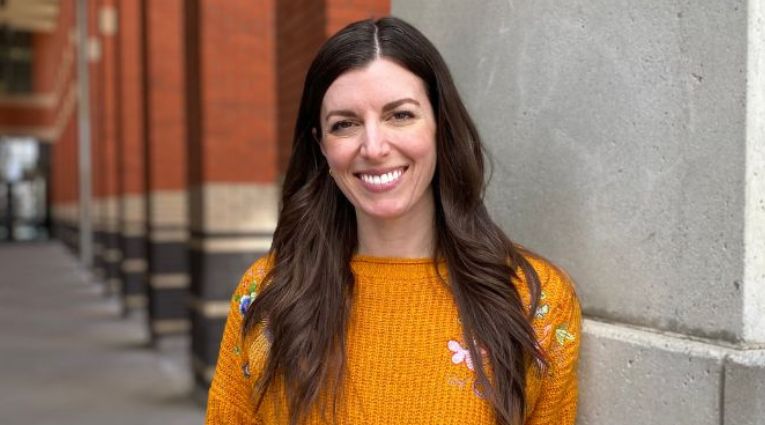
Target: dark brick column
x=108, y=194
x=132, y=167
x=166, y=179
x=232, y=157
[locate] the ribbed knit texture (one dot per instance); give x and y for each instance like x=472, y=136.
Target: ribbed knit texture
x=406, y=358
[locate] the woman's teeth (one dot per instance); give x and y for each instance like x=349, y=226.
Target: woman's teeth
x=386, y=178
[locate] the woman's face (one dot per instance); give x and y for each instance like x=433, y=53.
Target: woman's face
x=378, y=136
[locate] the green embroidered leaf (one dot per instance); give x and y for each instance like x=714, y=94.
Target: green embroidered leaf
x=562, y=335
x=236, y=298
x=542, y=295
x=237, y=350
x=253, y=286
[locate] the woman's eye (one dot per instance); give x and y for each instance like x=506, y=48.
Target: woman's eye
x=341, y=125
x=402, y=115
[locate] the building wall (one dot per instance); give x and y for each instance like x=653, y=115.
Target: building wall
x=192, y=107
x=622, y=151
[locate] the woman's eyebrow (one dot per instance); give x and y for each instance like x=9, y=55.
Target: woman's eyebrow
x=343, y=113
x=396, y=103
x=388, y=106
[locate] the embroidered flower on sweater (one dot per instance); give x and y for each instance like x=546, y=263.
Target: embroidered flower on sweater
x=542, y=310
x=246, y=299
x=562, y=335
x=462, y=354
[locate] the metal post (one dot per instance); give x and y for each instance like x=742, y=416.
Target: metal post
x=83, y=121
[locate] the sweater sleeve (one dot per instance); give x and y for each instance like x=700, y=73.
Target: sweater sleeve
x=560, y=316
x=229, y=400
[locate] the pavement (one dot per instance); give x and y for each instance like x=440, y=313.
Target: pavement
x=68, y=356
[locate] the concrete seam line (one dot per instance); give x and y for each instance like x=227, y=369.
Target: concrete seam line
x=721, y=397
x=748, y=358
x=666, y=341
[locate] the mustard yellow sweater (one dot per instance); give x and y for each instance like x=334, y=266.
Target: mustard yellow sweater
x=406, y=360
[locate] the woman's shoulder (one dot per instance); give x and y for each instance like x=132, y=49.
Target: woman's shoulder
x=253, y=278
x=555, y=283
x=557, y=298
x=558, y=315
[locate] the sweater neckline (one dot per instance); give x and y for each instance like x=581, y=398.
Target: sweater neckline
x=396, y=267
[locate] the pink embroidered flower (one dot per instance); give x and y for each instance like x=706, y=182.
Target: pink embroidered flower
x=462, y=354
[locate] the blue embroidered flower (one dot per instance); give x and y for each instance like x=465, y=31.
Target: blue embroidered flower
x=244, y=302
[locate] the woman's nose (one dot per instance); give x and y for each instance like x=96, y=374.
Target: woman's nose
x=374, y=144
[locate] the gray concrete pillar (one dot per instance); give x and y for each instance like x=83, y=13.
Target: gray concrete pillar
x=628, y=146
x=166, y=173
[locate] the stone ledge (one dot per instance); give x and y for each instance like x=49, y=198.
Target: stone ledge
x=684, y=381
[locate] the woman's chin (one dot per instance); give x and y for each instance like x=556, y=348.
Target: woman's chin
x=382, y=212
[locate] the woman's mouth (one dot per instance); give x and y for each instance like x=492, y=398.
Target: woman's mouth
x=377, y=181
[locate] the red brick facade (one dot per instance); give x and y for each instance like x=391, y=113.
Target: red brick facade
x=166, y=144
x=54, y=78
x=131, y=99
x=109, y=105
x=234, y=91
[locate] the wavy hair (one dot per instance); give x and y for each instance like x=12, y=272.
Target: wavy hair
x=308, y=297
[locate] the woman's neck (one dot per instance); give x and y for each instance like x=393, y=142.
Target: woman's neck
x=409, y=236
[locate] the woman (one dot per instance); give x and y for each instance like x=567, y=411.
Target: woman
x=387, y=277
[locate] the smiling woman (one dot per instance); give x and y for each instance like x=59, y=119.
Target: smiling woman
x=389, y=294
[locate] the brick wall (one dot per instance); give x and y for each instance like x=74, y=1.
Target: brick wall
x=235, y=91
x=131, y=98
x=109, y=105
x=166, y=83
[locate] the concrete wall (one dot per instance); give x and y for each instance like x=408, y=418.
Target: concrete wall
x=628, y=143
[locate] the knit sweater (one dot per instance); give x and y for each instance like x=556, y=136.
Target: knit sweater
x=407, y=362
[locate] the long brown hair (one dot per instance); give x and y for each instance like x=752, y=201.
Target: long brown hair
x=308, y=298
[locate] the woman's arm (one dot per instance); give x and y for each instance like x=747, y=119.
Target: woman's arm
x=561, y=317
x=229, y=400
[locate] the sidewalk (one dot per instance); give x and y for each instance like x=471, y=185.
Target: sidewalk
x=68, y=357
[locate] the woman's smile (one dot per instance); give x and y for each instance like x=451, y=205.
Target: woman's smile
x=380, y=180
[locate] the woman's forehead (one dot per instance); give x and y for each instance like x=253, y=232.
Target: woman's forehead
x=379, y=83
